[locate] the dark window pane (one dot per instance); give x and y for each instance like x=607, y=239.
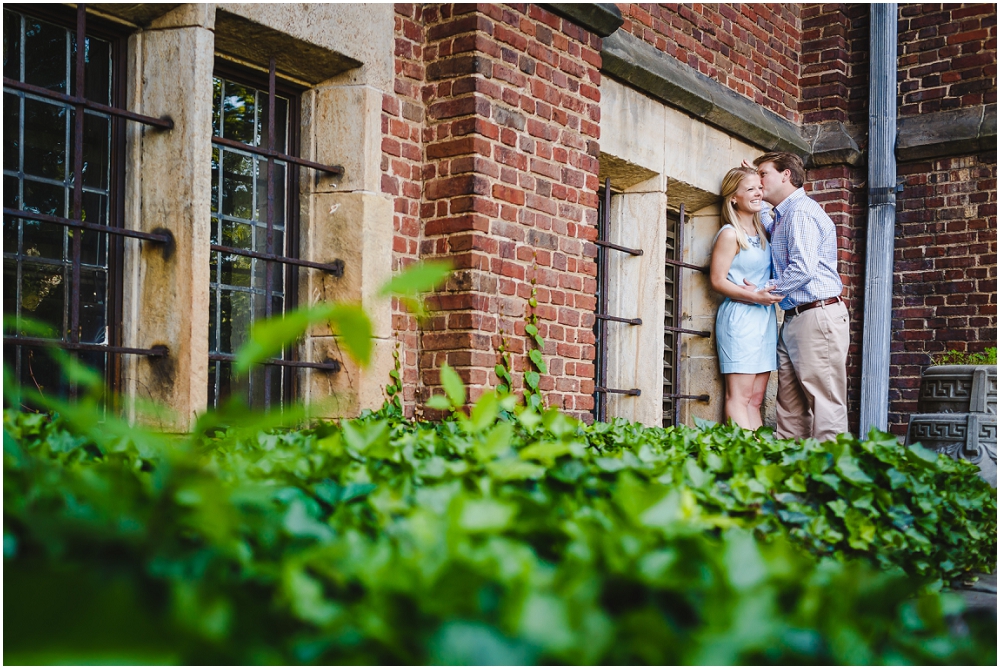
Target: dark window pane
x=213, y=322
x=43, y=294
x=215, y=180
x=45, y=127
x=280, y=187
x=281, y=122
x=93, y=306
x=95, y=244
x=11, y=225
x=9, y=288
x=45, y=57
x=97, y=84
x=11, y=132
x=11, y=45
x=216, y=108
x=96, y=151
x=39, y=239
x=235, y=318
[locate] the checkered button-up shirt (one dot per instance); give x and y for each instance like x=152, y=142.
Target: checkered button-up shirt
x=804, y=251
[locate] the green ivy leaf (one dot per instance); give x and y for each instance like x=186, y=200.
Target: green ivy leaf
x=536, y=357
x=453, y=386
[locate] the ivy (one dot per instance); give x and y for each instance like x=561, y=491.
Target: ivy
x=486, y=539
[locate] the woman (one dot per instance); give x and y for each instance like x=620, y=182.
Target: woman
x=746, y=328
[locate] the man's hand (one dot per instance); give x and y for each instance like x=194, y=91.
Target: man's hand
x=754, y=296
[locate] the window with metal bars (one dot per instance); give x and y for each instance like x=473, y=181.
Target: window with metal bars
x=254, y=221
x=63, y=191
x=602, y=317
x=672, y=331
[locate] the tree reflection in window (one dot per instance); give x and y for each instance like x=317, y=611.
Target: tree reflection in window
x=239, y=220
x=37, y=169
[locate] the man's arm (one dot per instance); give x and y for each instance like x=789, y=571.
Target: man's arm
x=803, y=252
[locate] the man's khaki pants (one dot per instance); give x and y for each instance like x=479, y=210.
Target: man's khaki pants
x=812, y=373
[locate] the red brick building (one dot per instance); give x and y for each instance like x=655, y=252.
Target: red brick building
x=537, y=147
x=493, y=144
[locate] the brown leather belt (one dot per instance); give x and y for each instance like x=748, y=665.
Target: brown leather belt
x=811, y=305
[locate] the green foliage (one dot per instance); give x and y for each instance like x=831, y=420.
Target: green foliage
x=953, y=357
x=484, y=540
x=410, y=284
x=532, y=396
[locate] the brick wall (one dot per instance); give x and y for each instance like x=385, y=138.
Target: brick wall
x=403, y=117
x=947, y=57
x=509, y=193
x=751, y=48
x=945, y=286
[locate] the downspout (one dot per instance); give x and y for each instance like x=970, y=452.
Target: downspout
x=881, y=219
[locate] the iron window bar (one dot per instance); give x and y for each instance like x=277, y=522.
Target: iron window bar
x=336, y=268
x=602, y=316
x=165, y=123
x=155, y=237
x=335, y=170
x=330, y=365
x=700, y=333
x=618, y=319
x=616, y=247
x=635, y=392
x=81, y=103
x=677, y=263
x=154, y=352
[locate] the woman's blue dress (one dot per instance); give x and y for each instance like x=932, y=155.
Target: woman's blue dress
x=746, y=335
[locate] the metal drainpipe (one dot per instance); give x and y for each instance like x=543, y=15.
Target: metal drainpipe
x=881, y=219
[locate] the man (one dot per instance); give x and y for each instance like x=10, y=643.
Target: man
x=813, y=341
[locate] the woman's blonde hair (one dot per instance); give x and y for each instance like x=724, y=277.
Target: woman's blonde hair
x=730, y=184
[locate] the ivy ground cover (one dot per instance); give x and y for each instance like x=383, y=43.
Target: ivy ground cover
x=502, y=536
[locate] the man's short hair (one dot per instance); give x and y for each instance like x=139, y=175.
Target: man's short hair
x=785, y=161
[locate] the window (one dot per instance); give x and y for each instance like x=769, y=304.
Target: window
x=254, y=211
x=62, y=162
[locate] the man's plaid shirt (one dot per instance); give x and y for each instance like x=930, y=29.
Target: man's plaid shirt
x=804, y=251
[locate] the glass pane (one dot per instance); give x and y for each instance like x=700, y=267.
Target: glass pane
x=45, y=127
x=96, y=151
x=45, y=57
x=279, y=192
x=234, y=270
x=11, y=45
x=95, y=244
x=212, y=391
x=43, y=240
x=281, y=122
x=9, y=288
x=97, y=84
x=43, y=294
x=239, y=113
x=213, y=322
x=237, y=185
x=260, y=240
x=10, y=224
x=40, y=372
x=215, y=181
x=93, y=306
x=216, y=107
x=11, y=132
x=235, y=319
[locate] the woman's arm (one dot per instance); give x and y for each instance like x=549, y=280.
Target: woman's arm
x=723, y=253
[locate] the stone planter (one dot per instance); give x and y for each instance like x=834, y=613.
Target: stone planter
x=957, y=415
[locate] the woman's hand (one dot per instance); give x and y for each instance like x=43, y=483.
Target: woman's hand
x=755, y=296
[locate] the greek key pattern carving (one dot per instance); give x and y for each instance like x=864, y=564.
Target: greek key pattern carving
x=937, y=431
x=946, y=389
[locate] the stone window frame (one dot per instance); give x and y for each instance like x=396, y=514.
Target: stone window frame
x=172, y=55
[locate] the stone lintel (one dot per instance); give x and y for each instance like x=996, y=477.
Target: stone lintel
x=140, y=14
x=947, y=133
x=834, y=143
x=600, y=18
x=256, y=43
x=645, y=68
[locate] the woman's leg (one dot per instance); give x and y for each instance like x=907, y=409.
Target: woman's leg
x=739, y=389
x=757, y=398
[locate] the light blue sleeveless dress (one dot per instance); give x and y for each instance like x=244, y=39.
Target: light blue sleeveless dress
x=746, y=335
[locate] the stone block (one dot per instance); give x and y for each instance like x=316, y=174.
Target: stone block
x=632, y=127
x=343, y=127
x=346, y=393
x=355, y=228
x=961, y=436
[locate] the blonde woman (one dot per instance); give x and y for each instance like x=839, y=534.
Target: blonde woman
x=746, y=329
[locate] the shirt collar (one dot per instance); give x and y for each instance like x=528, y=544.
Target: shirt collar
x=789, y=201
